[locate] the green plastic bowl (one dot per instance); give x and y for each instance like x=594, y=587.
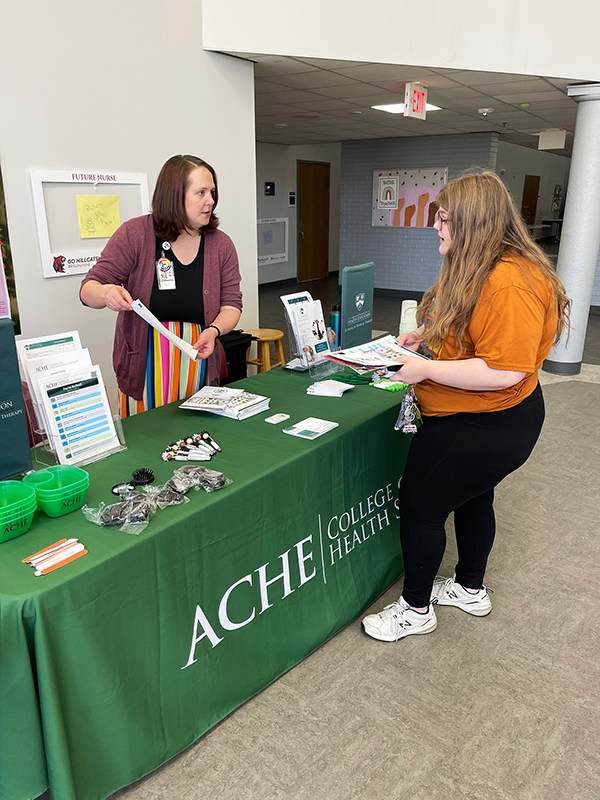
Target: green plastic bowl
x=23, y=508
x=17, y=508
x=37, y=479
x=14, y=495
x=51, y=494
x=64, y=503
x=11, y=529
x=53, y=482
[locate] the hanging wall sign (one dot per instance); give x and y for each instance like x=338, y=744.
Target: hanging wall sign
x=77, y=213
x=415, y=100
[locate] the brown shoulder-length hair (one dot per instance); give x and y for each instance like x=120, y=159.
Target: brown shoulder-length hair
x=168, y=200
x=485, y=227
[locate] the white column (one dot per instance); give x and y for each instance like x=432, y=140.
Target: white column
x=580, y=238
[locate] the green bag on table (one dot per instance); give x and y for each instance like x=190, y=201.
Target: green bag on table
x=15, y=457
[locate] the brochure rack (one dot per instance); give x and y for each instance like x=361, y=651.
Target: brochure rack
x=309, y=339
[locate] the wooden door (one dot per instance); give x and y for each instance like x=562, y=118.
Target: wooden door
x=313, y=221
x=531, y=190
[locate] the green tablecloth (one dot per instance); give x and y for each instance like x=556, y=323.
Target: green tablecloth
x=116, y=662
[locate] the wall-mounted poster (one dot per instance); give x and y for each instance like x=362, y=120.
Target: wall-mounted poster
x=406, y=198
x=273, y=240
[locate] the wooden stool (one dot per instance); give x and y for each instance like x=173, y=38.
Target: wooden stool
x=264, y=358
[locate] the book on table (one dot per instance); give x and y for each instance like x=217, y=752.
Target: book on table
x=227, y=402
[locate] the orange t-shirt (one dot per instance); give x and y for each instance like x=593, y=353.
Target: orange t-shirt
x=512, y=328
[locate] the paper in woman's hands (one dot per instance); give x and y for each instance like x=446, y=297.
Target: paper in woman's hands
x=149, y=317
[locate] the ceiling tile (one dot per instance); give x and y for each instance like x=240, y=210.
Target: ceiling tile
x=460, y=93
x=474, y=78
x=378, y=99
x=313, y=80
x=517, y=87
x=324, y=105
x=264, y=86
x=329, y=63
x=353, y=89
x=292, y=96
x=384, y=72
x=279, y=65
x=529, y=97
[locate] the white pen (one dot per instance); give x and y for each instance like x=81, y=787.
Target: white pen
x=51, y=551
x=57, y=557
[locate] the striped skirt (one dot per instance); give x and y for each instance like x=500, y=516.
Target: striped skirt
x=170, y=374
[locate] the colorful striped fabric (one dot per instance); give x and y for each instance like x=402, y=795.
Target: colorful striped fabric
x=170, y=374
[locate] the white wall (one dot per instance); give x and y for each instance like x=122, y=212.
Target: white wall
x=118, y=88
x=519, y=161
x=278, y=163
x=518, y=37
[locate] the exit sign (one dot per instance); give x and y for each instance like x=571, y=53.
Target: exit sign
x=415, y=100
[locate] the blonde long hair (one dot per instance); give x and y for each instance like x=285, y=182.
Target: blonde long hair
x=485, y=227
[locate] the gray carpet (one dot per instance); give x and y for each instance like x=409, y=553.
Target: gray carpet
x=497, y=708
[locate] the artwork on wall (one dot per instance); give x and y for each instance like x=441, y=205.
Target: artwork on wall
x=8, y=300
x=557, y=197
x=406, y=198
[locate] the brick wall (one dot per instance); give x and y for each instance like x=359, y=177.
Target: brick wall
x=406, y=259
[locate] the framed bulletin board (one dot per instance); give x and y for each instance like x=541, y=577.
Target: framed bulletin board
x=77, y=213
x=273, y=240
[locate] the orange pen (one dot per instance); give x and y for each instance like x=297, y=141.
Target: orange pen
x=45, y=550
x=60, y=563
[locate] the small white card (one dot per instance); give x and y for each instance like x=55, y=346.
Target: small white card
x=277, y=418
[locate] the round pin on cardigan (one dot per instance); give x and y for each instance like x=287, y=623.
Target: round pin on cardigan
x=166, y=245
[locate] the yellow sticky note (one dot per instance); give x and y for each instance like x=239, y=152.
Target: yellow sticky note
x=98, y=214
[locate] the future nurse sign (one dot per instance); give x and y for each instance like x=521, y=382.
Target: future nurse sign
x=77, y=212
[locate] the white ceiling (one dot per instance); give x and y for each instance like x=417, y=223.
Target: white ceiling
x=306, y=100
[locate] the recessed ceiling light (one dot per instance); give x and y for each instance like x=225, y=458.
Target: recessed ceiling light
x=280, y=125
x=523, y=105
x=398, y=108
x=356, y=112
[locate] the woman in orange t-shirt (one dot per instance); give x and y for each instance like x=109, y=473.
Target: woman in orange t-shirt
x=488, y=322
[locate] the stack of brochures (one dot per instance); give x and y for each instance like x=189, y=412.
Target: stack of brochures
x=329, y=388
x=308, y=339
x=68, y=397
x=226, y=402
x=384, y=352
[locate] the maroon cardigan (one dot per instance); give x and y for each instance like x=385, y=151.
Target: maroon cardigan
x=128, y=260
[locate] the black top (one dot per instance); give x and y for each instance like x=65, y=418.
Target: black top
x=185, y=303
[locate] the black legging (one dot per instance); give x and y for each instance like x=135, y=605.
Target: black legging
x=453, y=464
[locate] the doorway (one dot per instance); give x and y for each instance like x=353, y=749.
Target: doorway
x=313, y=220
x=531, y=190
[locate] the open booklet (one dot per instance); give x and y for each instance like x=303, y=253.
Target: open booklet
x=384, y=352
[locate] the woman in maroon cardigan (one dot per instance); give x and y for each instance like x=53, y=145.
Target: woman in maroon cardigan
x=185, y=271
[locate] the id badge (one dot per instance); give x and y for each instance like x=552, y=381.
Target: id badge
x=165, y=273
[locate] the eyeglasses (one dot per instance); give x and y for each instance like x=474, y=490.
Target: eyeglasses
x=441, y=219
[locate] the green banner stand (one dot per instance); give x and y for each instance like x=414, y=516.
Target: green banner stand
x=357, y=304
x=15, y=458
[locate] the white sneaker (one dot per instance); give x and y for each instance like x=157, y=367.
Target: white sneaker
x=446, y=592
x=397, y=621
